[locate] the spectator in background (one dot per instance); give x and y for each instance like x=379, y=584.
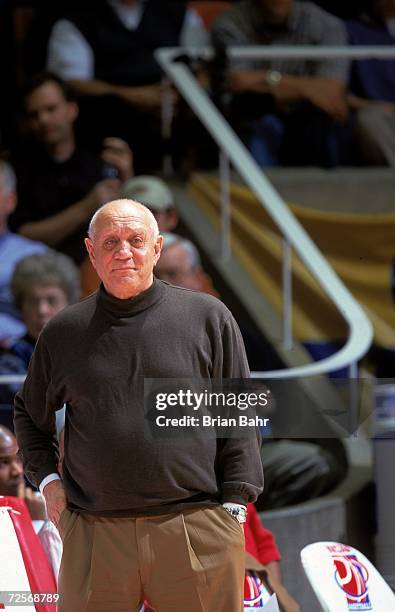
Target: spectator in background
x=260, y=543
x=289, y=111
x=42, y=285
x=12, y=484
x=180, y=265
x=373, y=85
x=11, y=470
x=263, y=575
x=107, y=54
x=155, y=194
x=60, y=186
x=12, y=248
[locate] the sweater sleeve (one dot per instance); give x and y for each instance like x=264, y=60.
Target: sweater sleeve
x=263, y=539
x=239, y=458
x=34, y=418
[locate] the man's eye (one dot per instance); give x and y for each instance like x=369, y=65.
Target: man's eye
x=53, y=301
x=109, y=243
x=137, y=242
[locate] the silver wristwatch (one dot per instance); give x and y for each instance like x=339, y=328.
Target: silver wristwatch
x=238, y=512
x=273, y=78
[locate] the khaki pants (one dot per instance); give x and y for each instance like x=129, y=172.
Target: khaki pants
x=186, y=562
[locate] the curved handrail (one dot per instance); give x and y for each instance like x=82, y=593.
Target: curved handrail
x=360, y=328
x=274, y=51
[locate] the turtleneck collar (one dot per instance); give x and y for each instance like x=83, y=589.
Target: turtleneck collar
x=131, y=306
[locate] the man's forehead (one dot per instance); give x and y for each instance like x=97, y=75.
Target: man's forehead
x=108, y=222
x=44, y=94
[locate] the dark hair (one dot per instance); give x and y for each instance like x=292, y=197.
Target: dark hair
x=50, y=268
x=42, y=78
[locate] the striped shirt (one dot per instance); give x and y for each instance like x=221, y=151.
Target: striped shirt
x=243, y=24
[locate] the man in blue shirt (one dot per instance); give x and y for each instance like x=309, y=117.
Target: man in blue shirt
x=12, y=248
x=373, y=85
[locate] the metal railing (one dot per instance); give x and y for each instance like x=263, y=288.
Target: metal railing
x=233, y=151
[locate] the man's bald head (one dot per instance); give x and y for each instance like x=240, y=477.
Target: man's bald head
x=121, y=209
x=7, y=438
x=11, y=472
x=124, y=246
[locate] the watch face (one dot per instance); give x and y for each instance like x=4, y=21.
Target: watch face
x=239, y=514
x=273, y=77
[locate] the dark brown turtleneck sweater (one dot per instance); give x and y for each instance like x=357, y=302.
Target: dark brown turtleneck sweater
x=94, y=357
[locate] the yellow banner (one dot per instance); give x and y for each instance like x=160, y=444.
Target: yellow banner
x=360, y=248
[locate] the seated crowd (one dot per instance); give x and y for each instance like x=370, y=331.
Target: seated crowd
x=288, y=111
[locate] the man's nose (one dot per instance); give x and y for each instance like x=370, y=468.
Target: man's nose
x=124, y=250
x=16, y=468
x=44, y=118
x=44, y=308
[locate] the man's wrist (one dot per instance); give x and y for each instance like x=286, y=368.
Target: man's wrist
x=50, y=478
x=238, y=511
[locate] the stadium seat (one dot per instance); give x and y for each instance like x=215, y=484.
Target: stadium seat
x=343, y=579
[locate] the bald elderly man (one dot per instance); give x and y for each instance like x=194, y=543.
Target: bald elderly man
x=140, y=516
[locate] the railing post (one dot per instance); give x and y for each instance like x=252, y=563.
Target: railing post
x=287, y=295
x=354, y=398
x=224, y=175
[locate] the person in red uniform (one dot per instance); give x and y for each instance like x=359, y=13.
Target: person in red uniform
x=263, y=575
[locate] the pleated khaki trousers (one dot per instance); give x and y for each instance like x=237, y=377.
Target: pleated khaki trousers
x=191, y=561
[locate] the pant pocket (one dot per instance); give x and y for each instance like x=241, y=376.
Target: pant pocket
x=194, y=546
x=63, y=520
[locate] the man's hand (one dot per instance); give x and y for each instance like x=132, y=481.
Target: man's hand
x=56, y=500
x=327, y=95
x=117, y=153
x=104, y=191
x=274, y=569
x=34, y=502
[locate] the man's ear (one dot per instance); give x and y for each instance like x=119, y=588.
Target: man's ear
x=74, y=110
x=158, y=248
x=91, y=251
x=11, y=202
